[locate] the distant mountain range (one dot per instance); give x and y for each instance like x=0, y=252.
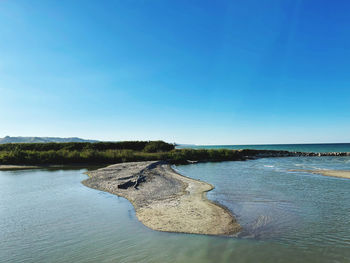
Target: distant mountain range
x=9, y=139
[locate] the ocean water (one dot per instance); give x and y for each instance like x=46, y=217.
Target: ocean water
x=317, y=148
x=49, y=216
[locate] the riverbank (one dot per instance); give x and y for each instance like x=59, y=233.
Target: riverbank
x=163, y=199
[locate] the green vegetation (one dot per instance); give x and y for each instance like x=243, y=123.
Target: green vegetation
x=111, y=152
x=101, y=153
x=149, y=146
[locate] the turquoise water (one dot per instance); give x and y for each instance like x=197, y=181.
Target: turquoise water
x=49, y=216
x=317, y=148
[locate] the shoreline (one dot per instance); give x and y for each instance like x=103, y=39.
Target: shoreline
x=165, y=200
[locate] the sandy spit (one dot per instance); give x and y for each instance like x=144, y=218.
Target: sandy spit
x=166, y=200
x=17, y=167
x=333, y=173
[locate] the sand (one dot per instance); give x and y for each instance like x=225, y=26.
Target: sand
x=166, y=201
x=17, y=167
x=333, y=173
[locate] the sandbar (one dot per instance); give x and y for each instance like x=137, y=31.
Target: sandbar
x=333, y=173
x=17, y=167
x=165, y=200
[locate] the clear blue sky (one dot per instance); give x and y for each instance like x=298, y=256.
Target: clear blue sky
x=204, y=72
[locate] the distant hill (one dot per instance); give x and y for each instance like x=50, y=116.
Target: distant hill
x=9, y=139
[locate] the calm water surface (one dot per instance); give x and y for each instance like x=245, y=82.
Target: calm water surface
x=49, y=216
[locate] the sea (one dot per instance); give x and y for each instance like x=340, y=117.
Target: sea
x=286, y=216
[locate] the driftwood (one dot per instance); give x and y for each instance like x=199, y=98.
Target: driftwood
x=130, y=183
x=140, y=179
x=126, y=185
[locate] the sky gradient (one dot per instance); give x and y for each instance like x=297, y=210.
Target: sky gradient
x=202, y=72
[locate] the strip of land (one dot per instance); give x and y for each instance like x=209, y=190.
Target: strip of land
x=163, y=199
x=7, y=167
x=17, y=167
x=333, y=173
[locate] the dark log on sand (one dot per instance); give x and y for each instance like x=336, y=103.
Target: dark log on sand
x=130, y=183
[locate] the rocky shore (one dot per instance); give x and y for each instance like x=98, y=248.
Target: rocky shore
x=163, y=199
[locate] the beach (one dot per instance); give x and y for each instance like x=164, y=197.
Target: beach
x=165, y=200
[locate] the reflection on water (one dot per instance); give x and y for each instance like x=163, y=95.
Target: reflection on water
x=49, y=216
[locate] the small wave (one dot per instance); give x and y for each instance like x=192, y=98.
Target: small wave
x=320, y=169
x=261, y=221
x=269, y=166
x=255, y=229
x=316, y=168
